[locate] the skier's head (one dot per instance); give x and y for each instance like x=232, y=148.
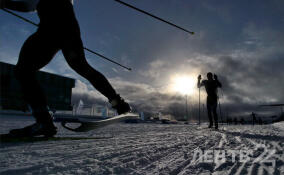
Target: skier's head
x=210, y=76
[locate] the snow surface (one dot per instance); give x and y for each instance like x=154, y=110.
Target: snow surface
x=143, y=149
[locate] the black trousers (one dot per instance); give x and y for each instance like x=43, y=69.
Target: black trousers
x=39, y=49
x=212, y=109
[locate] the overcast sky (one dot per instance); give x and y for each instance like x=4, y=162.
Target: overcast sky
x=241, y=41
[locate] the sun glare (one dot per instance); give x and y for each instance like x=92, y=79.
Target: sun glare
x=185, y=85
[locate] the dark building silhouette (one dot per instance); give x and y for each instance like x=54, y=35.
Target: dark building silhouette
x=58, y=90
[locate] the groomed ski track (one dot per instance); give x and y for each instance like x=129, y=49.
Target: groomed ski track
x=142, y=149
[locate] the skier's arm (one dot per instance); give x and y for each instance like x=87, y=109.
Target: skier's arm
x=20, y=6
x=219, y=84
x=198, y=83
x=217, y=81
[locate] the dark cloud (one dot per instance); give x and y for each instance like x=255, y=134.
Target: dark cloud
x=241, y=41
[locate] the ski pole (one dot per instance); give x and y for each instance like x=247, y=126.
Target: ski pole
x=220, y=111
x=128, y=68
x=22, y=18
x=198, y=85
x=153, y=16
x=199, y=108
x=89, y=50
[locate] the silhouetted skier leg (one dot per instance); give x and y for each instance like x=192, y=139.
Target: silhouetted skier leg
x=209, y=111
x=215, y=116
x=74, y=54
x=35, y=54
x=212, y=108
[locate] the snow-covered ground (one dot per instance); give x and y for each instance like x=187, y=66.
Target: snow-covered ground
x=148, y=149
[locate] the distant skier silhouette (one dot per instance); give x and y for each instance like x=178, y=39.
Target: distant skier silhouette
x=211, y=86
x=253, y=118
x=58, y=30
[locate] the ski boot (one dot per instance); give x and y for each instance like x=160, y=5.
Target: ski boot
x=216, y=126
x=42, y=127
x=120, y=105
